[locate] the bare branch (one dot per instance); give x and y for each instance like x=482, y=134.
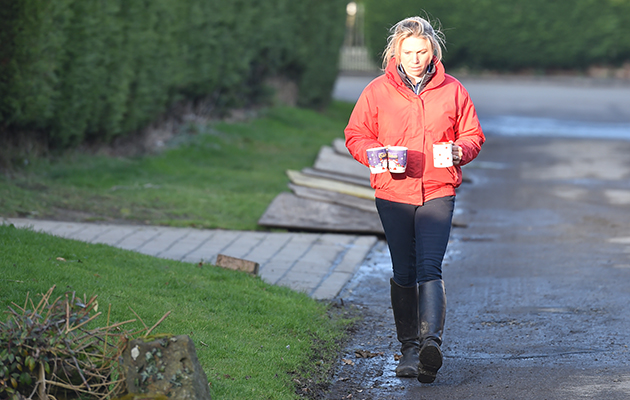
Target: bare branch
x=156, y=324
x=76, y=364
x=134, y=313
x=84, y=322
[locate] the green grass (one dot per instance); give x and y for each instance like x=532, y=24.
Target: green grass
x=252, y=339
x=217, y=175
x=259, y=340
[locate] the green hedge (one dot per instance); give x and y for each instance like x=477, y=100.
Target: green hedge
x=515, y=34
x=84, y=69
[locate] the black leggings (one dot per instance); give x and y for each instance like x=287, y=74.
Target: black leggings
x=417, y=237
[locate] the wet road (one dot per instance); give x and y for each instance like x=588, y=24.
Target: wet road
x=538, y=283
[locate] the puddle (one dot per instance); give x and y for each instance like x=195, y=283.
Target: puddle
x=557, y=310
x=620, y=240
x=598, y=160
x=505, y=356
x=585, y=388
x=476, y=238
x=570, y=193
x=486, y=165
x=618, y=197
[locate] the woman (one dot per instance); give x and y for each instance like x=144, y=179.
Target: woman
x=415, y=104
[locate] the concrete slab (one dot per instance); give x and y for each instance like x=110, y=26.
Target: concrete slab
x=192, y=240
x=332, y=285
x=268, y=247
x=138, y=238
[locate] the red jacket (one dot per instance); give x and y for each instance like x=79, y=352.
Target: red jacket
x=389, y=113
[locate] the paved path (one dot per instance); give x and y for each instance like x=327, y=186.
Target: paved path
x=317, y=264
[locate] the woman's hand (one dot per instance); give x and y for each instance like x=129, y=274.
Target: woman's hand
x=457, y=154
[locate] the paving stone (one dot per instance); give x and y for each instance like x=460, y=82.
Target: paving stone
x=332, y=285
x=138, y=238
x=244, y=244
x=165, y=239
x=274, y=271
x=356, y=254
x=208, y=251
x=194, y=239
x=111, y=236
x=267, y=248
x=83, y=232
x=295, y=248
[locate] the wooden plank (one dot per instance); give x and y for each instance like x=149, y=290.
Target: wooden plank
x=330, y=161
x=331, y=175
x=300, y=179
x=290, y=211
x=237, y=264
x=333, y=197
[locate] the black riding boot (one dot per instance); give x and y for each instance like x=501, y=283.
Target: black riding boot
x=405, y=307
x=432, y=310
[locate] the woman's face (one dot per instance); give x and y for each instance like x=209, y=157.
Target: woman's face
x=415, y=56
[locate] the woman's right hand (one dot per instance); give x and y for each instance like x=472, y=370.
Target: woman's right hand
x=458, y=152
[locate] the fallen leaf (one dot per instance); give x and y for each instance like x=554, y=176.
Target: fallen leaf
x=347, y=362
x=397, y=357
x=366, y=354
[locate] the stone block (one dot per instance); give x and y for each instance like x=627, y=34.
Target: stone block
x=166, y=366
x=237, y=264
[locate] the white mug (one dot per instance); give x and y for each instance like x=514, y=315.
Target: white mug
x=443, y=154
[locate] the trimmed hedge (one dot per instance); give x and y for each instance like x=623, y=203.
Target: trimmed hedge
x=91, y=69
x=516, y=34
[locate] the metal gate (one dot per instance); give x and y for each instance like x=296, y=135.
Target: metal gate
x=354, y=57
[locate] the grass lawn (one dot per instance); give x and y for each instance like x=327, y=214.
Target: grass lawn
x=254, y=340
x=214, y=175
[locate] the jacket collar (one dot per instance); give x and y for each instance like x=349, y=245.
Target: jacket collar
x=417, y=87
x=391, y=72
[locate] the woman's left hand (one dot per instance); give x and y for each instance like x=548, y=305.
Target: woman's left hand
x=457, y=154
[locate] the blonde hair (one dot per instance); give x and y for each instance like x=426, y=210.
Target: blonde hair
x=412, y=27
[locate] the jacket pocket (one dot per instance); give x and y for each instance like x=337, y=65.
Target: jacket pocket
x=380, y=181
x=445, y=176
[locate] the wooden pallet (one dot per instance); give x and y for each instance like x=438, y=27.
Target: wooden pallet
x=332, y=196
